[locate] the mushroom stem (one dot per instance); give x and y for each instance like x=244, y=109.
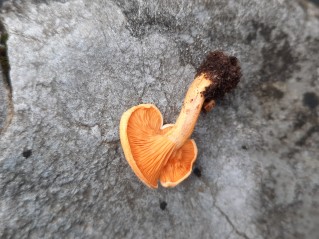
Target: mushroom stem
x=191, y=109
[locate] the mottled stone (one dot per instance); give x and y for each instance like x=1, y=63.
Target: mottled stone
x=77, y=65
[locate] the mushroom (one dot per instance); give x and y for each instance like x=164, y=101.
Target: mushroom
x=165, y=153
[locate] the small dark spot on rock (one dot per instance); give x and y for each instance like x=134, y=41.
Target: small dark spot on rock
x=300, y=120
x=27, y=153
x=251, y=36
x=269, y=116
x=269, y=192
x=244, y=147
x=290, y=155
x=87, y=192
x=270, y=91
x=197, y=172
x=264, y=30
x=163, y=205
x=310, y=100
x=307, y=135
x=283, y=137
x=315, y=2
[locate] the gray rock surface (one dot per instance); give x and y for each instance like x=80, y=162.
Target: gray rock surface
x=76, y=66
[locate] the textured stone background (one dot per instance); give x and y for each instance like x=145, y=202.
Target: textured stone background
x=76, y=66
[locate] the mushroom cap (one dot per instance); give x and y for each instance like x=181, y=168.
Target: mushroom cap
x=151, y=155
x=180, y=163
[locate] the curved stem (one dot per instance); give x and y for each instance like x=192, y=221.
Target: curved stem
x=191, y=109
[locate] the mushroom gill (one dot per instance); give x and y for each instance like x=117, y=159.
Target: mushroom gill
x=180, y=163
x=145, y=148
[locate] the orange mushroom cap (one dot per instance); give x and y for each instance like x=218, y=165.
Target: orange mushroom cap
x=151, y=155
x=180, y=163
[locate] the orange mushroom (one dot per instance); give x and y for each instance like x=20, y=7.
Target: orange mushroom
x=166, y=153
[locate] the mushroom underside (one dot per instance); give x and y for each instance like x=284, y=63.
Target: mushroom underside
x=151, y=155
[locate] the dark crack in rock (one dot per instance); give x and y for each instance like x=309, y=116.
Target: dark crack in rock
x=6, y=105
